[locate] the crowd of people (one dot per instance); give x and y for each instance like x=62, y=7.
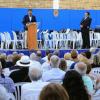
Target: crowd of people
x=51, y=77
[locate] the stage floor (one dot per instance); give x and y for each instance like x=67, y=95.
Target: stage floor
x=28, y=52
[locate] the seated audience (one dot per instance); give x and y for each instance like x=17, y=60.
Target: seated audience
x=55, y=73
x=33, y=58
x=63, y=64
x=36, y=85
x=46, y=65
x=7, y=82
x=53, y=92
x=46, y=57
x=75, y=87
x=74, y=56
x=56, y=52
x=96, y=61
x=88, y=55
x=16, y=57
x=39, y=57
x=9, y=61
x=82, y=69
x=21, y=74
x=3, y=93
x=67, y=57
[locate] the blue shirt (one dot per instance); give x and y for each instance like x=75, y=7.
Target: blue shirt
x=7, y=83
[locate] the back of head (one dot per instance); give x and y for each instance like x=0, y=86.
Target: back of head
x=74, y=85
x=88, y=54
x=3, y=63
x=3, y=93
x=16, y=58
x=96, y=60
x=81, y=68
x=53, y=92
x=35, y=71
x=63, y=64
x=49, y=56
x=3, y=56
x=47, y=52
x=56, y=53
x=39, y=53
x=54, y=61
x=74, y=54
x=67, y=56
x=33, y=56
x=9, y=57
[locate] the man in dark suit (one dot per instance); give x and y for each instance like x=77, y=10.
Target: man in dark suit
x=85, y=26
x=29, y=18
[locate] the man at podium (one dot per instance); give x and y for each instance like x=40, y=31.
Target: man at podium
x=27, y=19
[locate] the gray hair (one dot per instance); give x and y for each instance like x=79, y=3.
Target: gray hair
x=54, y=60
x=35, y=71
x=81, y=68
x=33, y=56
x=3, y=93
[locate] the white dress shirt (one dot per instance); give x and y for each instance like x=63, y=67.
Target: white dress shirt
x=53, y=74
x=31, y=91
x=46, y=66
x=30, y=18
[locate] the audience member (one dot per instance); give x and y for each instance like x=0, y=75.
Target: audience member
x=21, y=75
x=56, y=52
x=36, y=85
x=67, y=57
x=33, y=58
x=46, y=65
x=7, y=82
x=63, y=64
x=55, y=73
x=89, y=56
x=74, y=85
x=46, y=57
x=39, y=57
x=74, y=56
x=82, y=69
x=3, y=93
x=96, y=61
x=15, y=59
x=9, y=61
x=53, y=92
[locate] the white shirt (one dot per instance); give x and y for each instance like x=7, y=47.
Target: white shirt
x=69, y=63
x=31, y=91
x=53, y=74
x=30, y=18
x=46, y=66
x=45, y=58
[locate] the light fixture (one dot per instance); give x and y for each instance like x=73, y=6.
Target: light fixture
x=56, y=4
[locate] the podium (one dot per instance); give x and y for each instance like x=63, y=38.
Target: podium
x=32, y=36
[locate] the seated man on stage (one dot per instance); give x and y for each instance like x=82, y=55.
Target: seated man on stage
x=29, y=18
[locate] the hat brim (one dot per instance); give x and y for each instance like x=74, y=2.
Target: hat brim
x=18, y=63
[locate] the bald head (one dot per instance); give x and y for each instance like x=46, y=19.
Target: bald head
x=35, y=71
x=81, y=68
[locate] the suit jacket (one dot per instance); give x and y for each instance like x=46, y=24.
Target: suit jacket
x=20, y=75
x=86, y=23
x=27, y=20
